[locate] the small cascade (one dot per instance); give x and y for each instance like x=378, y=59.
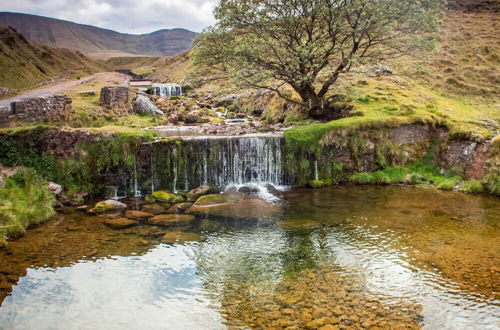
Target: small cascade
x=183, y=164
x=316, y=172
x=167, y=90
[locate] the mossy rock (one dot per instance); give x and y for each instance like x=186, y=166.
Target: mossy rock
x=108, y=206
x=166, y=197
x=472, y=187
x=316, y=184
x=212, y=199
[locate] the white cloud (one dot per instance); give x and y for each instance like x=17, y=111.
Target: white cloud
x=129, y=16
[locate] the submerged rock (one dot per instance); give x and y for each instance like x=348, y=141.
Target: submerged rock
x=252, y=208
x=138, y=215
x=120, y=223
x=166, y=196
x=166, y=220
x=109, y=205
x=154, y=209
x=202, y=190
x=180, y=237
x=179, y=207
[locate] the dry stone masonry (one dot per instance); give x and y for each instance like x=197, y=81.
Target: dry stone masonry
x=37, y=108
x=114, y=97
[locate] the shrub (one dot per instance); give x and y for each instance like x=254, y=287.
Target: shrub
x=472, y=187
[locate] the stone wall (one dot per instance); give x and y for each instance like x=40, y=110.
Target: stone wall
x=114, y=97
x=37, y=108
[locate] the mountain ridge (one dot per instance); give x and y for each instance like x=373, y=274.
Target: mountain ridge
x=95, y=41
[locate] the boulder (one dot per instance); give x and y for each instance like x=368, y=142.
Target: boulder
x=202, y=190
x=179, y=207
x=143, y=105
x=212, y=199
x=55, y=188
x=167, y=220
x=109, y=205
x=166, y=196
x=273, y=191
x=252, y=208
x=180, y=237
x=119, y=223
x=138, y=215
x=154, y=209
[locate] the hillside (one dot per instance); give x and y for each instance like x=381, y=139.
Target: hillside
x=97, y=42
x=26, y=64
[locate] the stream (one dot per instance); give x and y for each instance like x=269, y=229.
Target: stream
x=346, y=256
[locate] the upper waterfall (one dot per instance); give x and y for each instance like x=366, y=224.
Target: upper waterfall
x=167, y=90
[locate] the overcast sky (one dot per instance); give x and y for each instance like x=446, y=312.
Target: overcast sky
x=130, y=16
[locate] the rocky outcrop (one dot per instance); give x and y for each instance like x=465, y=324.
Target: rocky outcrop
x=468, y=158
x=114, y=97
x=52, y=107
x=143, y=105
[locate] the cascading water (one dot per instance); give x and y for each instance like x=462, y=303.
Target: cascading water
x=167, y=90
x=226, y=161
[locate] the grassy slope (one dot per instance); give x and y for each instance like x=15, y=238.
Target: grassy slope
x=26, y=65
x=460, y=91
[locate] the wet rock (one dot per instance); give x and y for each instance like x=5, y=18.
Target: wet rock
x=202, y=190
x=120, y=223
x=154, y=209
x=248, y=190
x=273, y=191
x=180, y=237
x=166, y=220
x=316, y=184
x=212, y=199
x=166, y=196
x=109, y=205
x=55, y=188
x=143, y=105
x=179, y=207
x=138, y=215
x=252, y=208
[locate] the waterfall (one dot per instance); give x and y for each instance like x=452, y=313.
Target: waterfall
x=316, y=172
x=167, y=90
x=225, y=161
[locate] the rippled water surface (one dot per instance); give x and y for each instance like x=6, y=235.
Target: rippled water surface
x=342, y=257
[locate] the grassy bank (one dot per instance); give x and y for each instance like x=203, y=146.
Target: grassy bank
x=24, y=201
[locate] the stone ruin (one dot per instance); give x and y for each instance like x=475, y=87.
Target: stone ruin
x=115, y=97
x=38, y=108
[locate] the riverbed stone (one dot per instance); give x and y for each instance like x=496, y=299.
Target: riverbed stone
x=154, y=209
x=166, y=196
x=179, y=207
x=120, y=223
x=252, y=208
x=138, y=215
x=180, y=237
x=166, y=220
x=109, y=205
x=202, y=190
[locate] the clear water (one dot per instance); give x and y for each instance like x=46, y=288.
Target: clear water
x=352, y=257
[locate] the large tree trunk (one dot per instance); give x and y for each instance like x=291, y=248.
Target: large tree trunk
x=314, y=103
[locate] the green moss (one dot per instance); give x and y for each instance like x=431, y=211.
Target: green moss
x=166, y=196
x=472, y=187
x=212, y=199
x=24, y=201
x=316, y=184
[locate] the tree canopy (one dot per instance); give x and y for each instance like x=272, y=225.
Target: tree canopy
x=309, y=44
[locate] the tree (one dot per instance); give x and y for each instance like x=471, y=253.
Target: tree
x=309, y=44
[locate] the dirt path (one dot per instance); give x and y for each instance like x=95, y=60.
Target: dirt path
x=54, y=89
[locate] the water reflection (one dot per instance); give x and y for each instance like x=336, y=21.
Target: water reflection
x=347, y=257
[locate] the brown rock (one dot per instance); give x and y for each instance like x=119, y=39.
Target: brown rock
x=246, y=209
x=179, y=207
x=154, y=209
x=166, y=220
x=120, y=223
x=138, y=215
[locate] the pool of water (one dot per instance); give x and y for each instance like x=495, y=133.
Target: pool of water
x=349, y=257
